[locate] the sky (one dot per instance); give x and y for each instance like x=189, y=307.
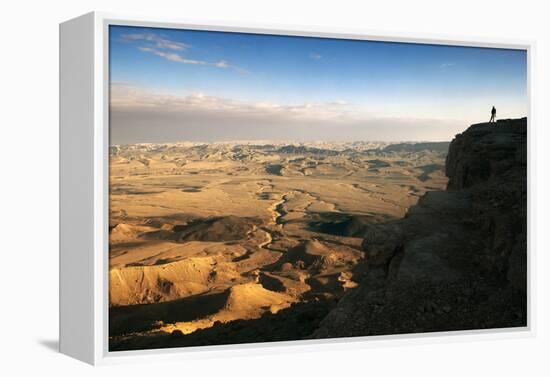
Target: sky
x=169, y=85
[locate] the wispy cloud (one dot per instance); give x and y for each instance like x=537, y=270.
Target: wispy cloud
x=445, y=66
x=171, y=56
x=222, y=64
x=171, y=50
x=315, y=56
x=156, y=41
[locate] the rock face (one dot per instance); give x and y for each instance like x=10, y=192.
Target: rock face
x=458, y=260
x=489, y=161
x=488, y=151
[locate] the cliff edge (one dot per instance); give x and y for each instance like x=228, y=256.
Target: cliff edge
x=458, y=260
x=488, y=151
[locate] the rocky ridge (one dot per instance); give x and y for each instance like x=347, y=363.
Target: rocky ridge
x=458, y=260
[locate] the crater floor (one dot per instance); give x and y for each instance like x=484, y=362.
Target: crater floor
x=207, y=237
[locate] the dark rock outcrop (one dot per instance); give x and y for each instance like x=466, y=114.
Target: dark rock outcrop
x=458, y=260
x=212, y=229
x=489, y=161
x=488, y=151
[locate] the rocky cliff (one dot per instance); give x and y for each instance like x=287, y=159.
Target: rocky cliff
x=458, y=260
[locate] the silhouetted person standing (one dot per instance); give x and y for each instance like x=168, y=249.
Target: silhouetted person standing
x=493, y=114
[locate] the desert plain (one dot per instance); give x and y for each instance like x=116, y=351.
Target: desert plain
x=207, y=240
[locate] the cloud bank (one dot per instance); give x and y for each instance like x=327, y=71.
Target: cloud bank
x=140, y=116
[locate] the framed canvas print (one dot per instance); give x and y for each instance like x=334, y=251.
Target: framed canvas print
x=225, y=187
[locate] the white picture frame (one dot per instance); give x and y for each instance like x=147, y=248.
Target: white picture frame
x=84, y=198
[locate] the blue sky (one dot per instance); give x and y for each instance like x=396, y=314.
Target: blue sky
x=306, y=81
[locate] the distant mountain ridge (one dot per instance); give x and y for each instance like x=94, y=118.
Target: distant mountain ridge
x=294, y=146
x=415, y=147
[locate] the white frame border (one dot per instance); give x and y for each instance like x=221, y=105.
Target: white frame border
x=101, y=195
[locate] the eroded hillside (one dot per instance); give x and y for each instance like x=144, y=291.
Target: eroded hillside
x=220, y=243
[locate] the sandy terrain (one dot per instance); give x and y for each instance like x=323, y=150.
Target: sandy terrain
x=202, y=235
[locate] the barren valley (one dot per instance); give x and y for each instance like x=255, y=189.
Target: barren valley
x=210, y=241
